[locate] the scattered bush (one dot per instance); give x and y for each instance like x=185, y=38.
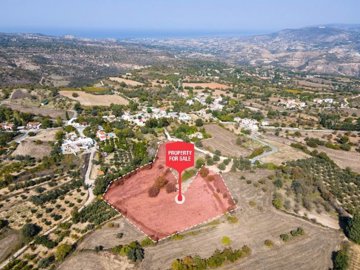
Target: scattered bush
x=153, y=191
x=170, y=187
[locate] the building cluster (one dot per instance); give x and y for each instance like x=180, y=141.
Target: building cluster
x=215, y=105
x=326, y=101
x=103, y=136
x=145, y=114
x=74, y=144
x=8, y=126
x=247, y=123
x=292, y=104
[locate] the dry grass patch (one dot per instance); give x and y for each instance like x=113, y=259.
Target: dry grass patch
x=87, y=99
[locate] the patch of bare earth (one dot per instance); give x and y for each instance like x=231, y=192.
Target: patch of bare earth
x=211, y=85
x=343, y=158
x=108, y=235
x=37, y=146
x=223, y=140
x=354, y=257
x=9, y=241
x=44, y=111
x=31, y=148
x=89, y=260
x=87, y=99
x=257, y=222
x=127, y=81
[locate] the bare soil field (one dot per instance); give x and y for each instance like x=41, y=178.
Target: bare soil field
x=20, y=94
x=127, y=81
x=223, y=140
x=89, y=260
x=9, y=241
x=354, y=257
x=107, y=235
x=44, y=111
x=211, y=85
x=31, y=148
x=45, y=135
x=343, y=158
x=285, y=151
x=87, y=99
x=160, y=216
x=257, y=222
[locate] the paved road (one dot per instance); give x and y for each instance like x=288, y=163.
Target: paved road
x=273, y=150
x=88, y=181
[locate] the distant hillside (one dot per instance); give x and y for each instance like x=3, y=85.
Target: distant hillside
x=35, y=58
x=331, y=49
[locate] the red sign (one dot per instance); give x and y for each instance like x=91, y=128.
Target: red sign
x=179, y=155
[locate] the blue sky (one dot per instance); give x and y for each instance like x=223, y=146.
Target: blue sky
x=172, y=15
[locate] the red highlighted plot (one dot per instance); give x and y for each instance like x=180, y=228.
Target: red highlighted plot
x=146, y=199
x=180, y=156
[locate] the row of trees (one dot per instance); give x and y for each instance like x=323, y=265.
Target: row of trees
x=56, y=193
x=219, y=258
x=96, y=213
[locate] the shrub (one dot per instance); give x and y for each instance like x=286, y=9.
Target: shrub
x=62, y=251
x=299, y=231
x=341, y=258
x=277, y=203
x=285, y=237
x=204, y=172
x=226, y=241
x=199, y=163
x=160, y=182
x=170, y=187
x=268, y=243
x=153, y=191
x=29, y=230
x=353, y=228
x=45, y=262
x=45, y=241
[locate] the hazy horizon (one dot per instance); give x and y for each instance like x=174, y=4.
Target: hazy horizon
x=140, y=18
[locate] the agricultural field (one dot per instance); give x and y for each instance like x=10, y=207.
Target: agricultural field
x=10, y=240
x=210, y=85
x=128, y=82
x=92, y=260
x=354, y=257
x=37, y=110
x=224, y=141
x=87, y=99
x=37, y=146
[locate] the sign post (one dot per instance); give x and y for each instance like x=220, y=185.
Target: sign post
x=180, y=156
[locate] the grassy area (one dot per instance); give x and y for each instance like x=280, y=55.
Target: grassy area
x=188, y=174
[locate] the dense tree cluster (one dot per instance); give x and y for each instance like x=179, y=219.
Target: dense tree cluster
x=341, y=258
x=353, y=228
x=334, y=121
x=29, y=230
